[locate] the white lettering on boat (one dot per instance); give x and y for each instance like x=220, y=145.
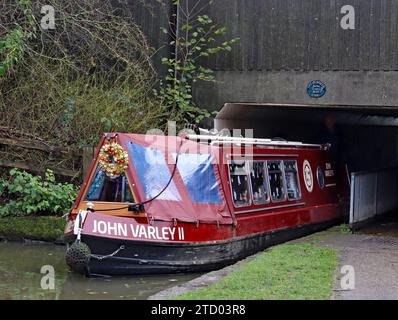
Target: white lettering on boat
x=329, y=173
x=138, y=231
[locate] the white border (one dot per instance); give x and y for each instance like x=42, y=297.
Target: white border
x=309, y=187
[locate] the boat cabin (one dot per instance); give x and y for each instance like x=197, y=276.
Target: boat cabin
x=274, y=174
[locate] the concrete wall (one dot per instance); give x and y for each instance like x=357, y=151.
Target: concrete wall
x=378, y=88
x=373, y=194
x=284, y=44
x=306, y=35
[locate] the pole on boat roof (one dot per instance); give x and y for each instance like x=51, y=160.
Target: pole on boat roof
x=223, y=139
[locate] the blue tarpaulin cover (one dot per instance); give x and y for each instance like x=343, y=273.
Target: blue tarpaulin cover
x=153, y=172
x=197, y=172
x=195, y=193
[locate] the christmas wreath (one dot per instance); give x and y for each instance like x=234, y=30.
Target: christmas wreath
x=113, y=159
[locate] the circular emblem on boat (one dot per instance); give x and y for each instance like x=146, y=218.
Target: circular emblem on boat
x=316, y=89
x=307, y=174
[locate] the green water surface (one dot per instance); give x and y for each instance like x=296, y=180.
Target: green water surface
x=21, y=278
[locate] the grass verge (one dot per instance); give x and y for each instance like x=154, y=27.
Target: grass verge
x=45, y=228
x=288, y=271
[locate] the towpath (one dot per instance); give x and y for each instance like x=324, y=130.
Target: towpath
x=374, y=260
x=372, y=255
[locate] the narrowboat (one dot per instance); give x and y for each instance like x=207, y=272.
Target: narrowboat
x=165, y=204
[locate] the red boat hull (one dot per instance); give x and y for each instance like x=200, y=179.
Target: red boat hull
x=144, y=257
x=204, y=247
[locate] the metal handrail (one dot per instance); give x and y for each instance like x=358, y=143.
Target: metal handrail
x=270, y=142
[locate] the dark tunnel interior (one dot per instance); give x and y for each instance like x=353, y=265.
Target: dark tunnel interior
x=359, y=136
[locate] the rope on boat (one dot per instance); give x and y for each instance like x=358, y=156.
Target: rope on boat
x=99, y=257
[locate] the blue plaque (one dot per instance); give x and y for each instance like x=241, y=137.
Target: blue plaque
x=316, y=89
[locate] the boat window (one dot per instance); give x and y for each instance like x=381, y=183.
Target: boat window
x=153, y=172
x=197, y=172
x=239, y=183
x=276, y=183
x=258, y=182
x=321, y=177
x=292, y=180
x=103, y=188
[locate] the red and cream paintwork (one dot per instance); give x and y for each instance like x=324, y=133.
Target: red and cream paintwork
x=254, y=227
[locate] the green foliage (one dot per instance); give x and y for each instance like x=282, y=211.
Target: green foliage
x=285, y=272
x=345, y=229
x=11, y=49
x=26, y=194
x=195, y=40
x=12, y=45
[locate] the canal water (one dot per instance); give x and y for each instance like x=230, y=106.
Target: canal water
x=21, y=265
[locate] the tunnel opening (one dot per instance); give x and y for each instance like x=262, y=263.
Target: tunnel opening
x=364, y=142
